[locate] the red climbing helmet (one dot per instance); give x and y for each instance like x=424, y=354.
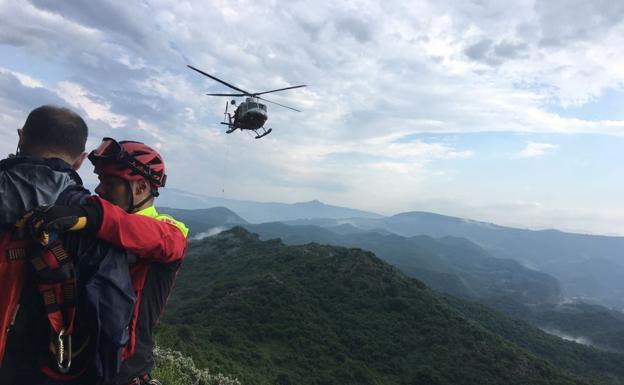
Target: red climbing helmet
x=129, y=160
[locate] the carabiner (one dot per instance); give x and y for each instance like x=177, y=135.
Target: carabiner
x=64, y=352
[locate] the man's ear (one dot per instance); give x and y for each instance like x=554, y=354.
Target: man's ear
x=78, y=162
x=141, y=187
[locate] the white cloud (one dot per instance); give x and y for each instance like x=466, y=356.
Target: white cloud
x=536, y=150
x=378, y=72
x=579, y=340
x=24, y=79
x=78, y=97
x=209, y=233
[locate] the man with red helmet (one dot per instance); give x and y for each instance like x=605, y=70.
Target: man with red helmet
x=130, y=174
x=127, y=167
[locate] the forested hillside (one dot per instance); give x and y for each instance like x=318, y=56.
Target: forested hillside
x=267, y=313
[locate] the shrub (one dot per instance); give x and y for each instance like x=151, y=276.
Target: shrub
x=173, y=368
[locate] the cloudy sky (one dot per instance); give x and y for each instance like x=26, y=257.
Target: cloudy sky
x=509, y=112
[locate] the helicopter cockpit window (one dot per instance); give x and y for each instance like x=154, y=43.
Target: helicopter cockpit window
x=252, y=105
x=262, y=106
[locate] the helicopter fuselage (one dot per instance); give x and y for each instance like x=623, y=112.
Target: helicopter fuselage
x=250, y=115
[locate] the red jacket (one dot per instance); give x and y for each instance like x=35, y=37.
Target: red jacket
x=155, y=244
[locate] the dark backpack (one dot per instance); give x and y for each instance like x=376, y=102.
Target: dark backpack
x=87, y=332
x=106, y=302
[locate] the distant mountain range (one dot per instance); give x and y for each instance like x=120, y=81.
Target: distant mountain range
x=268, y=313
x=449, y=264
x=258, y=212
x=589, y=267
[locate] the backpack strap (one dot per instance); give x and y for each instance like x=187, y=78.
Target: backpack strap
x=57, y=285
x=12, y=272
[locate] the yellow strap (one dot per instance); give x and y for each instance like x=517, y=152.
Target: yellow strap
x=81, y=223
x=44, y=238
x=22, y=221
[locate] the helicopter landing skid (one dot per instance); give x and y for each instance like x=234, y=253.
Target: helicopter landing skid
x=265, y=133
x=231, y=127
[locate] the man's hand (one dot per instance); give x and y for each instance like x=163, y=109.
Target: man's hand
x=45, y=221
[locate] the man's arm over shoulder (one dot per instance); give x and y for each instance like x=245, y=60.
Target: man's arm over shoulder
x=160, y=239
x=84, y=245
x=73, y=195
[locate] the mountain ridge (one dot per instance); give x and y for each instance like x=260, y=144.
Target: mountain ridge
x=268, y=313
x=257, y=212
x=589, y=267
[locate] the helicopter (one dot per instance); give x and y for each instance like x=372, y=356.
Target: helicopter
x=250, y=114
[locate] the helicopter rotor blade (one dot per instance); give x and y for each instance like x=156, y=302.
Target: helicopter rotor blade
x=279, y=89
x=226, y=94
x=219, y=80
x=281, y=105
